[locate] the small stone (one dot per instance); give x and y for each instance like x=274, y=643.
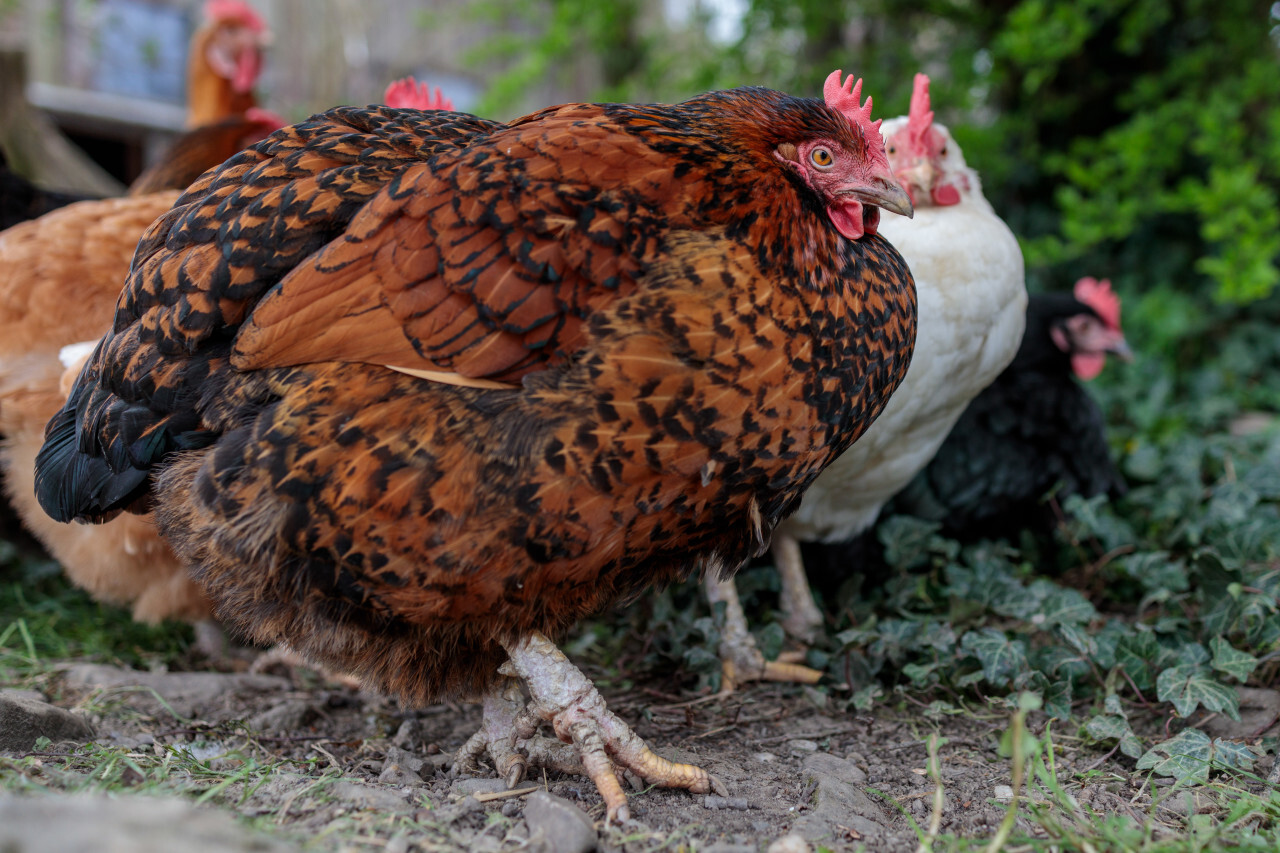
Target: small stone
x=405, y=759
x=409, y=735
x=484, y=844
x=360, y=796
x=24, y=720
x=1003, y=793
x=711, y=801
x=397, y=845
x=285, y=717
x=764, y=757
x=398, y=775
x=510, y=808
x=792, y=843
x=825, y=764
x=79, y=823
x=557, y=826
x=802, y=747
x=472, y=785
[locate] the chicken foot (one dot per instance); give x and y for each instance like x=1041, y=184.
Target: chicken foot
x=593, y=740
x=739, y=655
x=801, y=618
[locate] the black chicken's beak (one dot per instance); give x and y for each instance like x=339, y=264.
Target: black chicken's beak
x=1119, y=347
x=886, y=194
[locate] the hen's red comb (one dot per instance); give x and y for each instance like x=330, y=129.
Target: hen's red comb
x=844, y=98
x=919, y=117
x=411, y=94
x=234, y=10
x=265, y=117
x=1098, y=296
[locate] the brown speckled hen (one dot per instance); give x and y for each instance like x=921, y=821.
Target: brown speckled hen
x=624, y=340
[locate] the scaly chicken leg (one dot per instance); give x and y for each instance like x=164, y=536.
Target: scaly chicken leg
x=739, y=655
x=801, y=618
x=594, y=739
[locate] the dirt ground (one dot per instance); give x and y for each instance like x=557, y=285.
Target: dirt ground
x=349, y=760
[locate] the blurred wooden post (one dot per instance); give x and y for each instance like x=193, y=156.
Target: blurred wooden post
x=34, y=146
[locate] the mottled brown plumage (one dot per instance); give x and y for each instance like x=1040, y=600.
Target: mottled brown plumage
x=676, y=337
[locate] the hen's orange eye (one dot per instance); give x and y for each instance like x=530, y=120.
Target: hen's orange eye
x=943, y=152
x=821, y=158
x=892, y=150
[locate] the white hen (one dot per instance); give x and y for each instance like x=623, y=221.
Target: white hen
x=973, y=306
x=972, y=301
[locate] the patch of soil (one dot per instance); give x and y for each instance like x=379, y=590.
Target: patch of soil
x=355, y=759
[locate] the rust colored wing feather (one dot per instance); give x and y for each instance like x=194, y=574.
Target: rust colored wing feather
x=483, y=265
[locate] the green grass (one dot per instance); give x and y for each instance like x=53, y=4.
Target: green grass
x=45, y=620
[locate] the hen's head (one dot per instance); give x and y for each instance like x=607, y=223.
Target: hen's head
x=234, y=43
x=408, y=93
x=1088, y=335
x=848, y=170
x=925, y=159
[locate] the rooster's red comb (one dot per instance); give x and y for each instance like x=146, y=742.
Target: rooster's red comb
x=1098, y=296
x=919, y=117
x=844, y=98
x=234, y=10
x=409, y=93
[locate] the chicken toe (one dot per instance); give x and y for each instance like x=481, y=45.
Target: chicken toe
x=739, y=654
x=604, y=745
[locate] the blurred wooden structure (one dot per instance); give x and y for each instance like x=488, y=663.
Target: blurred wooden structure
x=111, y=73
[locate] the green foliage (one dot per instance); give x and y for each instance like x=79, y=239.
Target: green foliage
x=1189, y=755
x=1184, y=601
x=43, y=620
x=1132, y=138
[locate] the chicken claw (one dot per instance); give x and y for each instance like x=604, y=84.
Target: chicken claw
x=739, y=655
x=595, y=742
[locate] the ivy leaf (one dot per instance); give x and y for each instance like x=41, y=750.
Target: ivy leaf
x=1157, y=571
x=1107, y=727
x=1226, y=658
x=1136, y=654
x=1231, y=504
x=1001, y=658
x=863, y=699
x=921, y=675
x=770, y=640
x=1078, y=639
x=1189, y=686
x=1193, y=653
x=1190, y=754
x=1114, y=727
x=1185, y=757
x=1067, y=607
x=1057, y=698
x=908, y=541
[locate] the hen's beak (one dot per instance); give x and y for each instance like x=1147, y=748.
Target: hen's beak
x=885, y=193
x=1119, y=347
